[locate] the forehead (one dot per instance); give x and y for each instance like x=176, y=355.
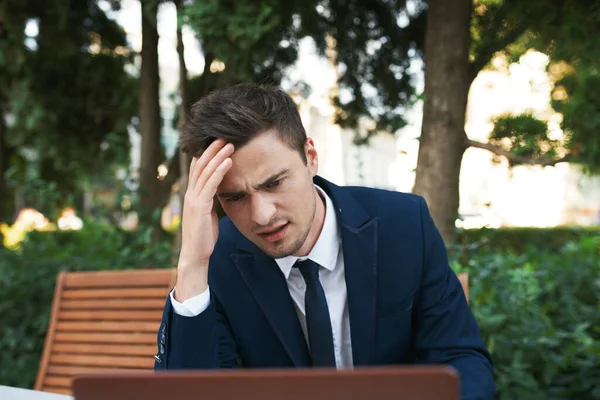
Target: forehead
x=258, y=160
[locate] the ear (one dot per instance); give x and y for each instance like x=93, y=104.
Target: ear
x=312, y=157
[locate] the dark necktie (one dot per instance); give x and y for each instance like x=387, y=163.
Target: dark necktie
x=318, y=322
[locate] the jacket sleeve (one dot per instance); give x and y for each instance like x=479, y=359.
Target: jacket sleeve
x=446, y=330
x=201, y=342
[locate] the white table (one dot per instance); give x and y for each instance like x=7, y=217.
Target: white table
x=13, y=393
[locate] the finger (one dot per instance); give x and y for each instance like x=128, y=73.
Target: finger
x=204, y=159
x=224, y=153
x=210, y=189
x=191, y=169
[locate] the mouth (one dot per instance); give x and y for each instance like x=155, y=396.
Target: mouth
x=275, y=234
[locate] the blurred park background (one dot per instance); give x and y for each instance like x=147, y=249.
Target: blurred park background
x=490, y=109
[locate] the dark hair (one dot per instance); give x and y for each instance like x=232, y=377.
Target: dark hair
x=239, y=113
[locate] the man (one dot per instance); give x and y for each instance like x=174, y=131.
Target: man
x=302, y=272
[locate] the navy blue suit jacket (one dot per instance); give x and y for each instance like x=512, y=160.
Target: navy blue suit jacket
x=406, y=304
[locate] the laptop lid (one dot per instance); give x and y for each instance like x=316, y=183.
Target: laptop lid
x=407, y=383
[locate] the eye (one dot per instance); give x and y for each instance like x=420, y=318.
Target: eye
x=275, y=183
x=234, y=198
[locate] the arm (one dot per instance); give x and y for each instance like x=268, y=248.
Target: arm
x=446, y=330
x=202, y=340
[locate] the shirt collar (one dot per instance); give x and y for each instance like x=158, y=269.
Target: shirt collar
x=325, y=251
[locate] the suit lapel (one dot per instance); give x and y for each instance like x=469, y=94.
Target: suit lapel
x=360, y=262
x=359, y=246
x=268, y=285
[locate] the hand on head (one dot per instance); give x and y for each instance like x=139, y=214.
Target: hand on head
x=200, y=226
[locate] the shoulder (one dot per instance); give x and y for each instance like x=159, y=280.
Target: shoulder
x=382, y=202
x=229, y=237
x=397, y=213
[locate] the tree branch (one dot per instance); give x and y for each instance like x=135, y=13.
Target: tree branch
x=500, y=44
x=543, y=161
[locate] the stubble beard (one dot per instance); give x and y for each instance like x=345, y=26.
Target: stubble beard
x=298, y=241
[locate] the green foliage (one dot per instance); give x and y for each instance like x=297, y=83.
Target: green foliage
x=525, y=136
x=258, y=40
x=537, y=304
x=565, y=30
x=67, y=93
x=576, y=96
x=539, y=314
x=44, y=197
x=374, y=55
x=242, y=27
x=498, y=24
x=522, y=240
x=27, y=280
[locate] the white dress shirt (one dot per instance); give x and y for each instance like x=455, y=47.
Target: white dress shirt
x=327, y=252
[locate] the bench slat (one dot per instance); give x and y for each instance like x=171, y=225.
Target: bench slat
x=138, y=293
x=107, y=338
x=75, y=370
x=156, y=304
x=59, y=381
x=103, y=322
x=100, y=315
x=108, y=326
x=463, y=277
x=144, y=278
x=102, y=361
x=139, y=350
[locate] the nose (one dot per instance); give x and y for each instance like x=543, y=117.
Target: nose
x=262, y=210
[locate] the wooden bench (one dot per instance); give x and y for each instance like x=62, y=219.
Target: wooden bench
x=101, y=322
x=463, y=277
x=107, y=321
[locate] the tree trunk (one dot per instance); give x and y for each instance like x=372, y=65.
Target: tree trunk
x=447, y=83
x=184, y=159
x=151, y=193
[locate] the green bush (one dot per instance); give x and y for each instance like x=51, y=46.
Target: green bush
x=538, y=305
x=27, y=280
x=539, y=313
x=521, y=240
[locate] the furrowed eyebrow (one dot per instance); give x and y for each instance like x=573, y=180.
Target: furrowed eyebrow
x=231, y=195
x=264, y=184
x=272, y=179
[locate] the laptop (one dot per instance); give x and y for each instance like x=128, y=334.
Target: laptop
x=406, y=383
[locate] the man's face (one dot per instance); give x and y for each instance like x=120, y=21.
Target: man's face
x=269, y=194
